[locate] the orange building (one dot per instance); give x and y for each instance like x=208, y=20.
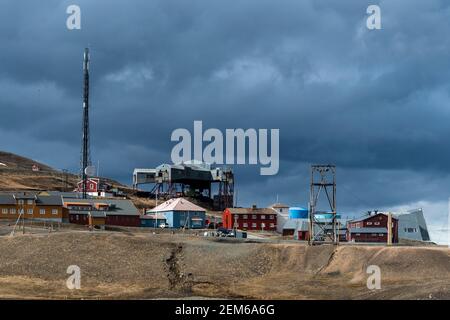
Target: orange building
x=32, y=206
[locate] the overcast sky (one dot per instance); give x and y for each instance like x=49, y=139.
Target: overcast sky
x=374, y=102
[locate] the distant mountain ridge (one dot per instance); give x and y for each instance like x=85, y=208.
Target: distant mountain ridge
x=16, y=173
x=12, y=161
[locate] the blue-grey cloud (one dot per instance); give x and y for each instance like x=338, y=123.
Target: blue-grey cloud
x=375, y=103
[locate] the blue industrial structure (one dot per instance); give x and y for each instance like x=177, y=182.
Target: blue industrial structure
x=326, y=215
x=298, y=213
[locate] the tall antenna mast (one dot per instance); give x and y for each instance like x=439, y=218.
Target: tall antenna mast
x=85, y=152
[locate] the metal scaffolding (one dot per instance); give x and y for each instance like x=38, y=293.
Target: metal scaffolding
x=192, y=179
x=323, y=226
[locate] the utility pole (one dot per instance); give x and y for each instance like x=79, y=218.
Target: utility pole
x=156, y=204
x=389, y=231
x=85, y=156
x=21, y=217
x=65, y=179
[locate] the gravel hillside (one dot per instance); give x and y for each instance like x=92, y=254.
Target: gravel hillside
x=146, y=266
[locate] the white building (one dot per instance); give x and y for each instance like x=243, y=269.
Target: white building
x=412, y=225
x=282, y=211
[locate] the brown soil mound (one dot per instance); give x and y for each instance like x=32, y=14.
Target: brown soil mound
x=145, y=266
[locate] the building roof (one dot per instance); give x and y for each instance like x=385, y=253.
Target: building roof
x=297, y=224
x=366, y=216
x=7, y=199
x=279, y=205
x=251, y=210
x=97, y=214
x=70, y=203
x=10, y=199
x=116, y=206
x=49, y=200
x=24, y=196
x=178, y=204
x=368, y=230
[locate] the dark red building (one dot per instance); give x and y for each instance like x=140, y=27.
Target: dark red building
x=118, y=212
x=372, y=228
x=123, y=220
x=302, y=235
x=250, y=218
x=92, y=185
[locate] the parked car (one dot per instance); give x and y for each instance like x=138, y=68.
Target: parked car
x=223, y=232
x=163, y=225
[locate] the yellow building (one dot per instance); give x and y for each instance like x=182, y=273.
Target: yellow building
x=97, y=219
x=33, y=206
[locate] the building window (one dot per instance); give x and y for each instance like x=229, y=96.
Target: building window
x=253, y=216
x=4, y=210
x=41, y=211
x=245, y=216
x=369, y=223
x=281, y=210
x=21, y=202
x=12, y=211
x=263, y=217
x=30, y=202
x=358, y=234
x=381, y=234
x=77, y=217
x=30, y=211
x=271, y=217
x=54, y=211
x=272, y=225
x=254, y=225
x=377, y=223
x=245, y=225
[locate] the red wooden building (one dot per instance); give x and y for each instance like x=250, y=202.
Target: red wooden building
x=96, y=187
x=372, y=228
x=92, y=185
x=118, y=212
x=250, y=218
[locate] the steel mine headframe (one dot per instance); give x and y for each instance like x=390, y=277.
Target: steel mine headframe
x=323, y=225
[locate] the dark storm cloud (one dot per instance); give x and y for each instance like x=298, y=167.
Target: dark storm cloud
x=373, y=102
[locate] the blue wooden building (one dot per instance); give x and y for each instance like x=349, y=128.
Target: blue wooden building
x=181, y=213
x=153, y=220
